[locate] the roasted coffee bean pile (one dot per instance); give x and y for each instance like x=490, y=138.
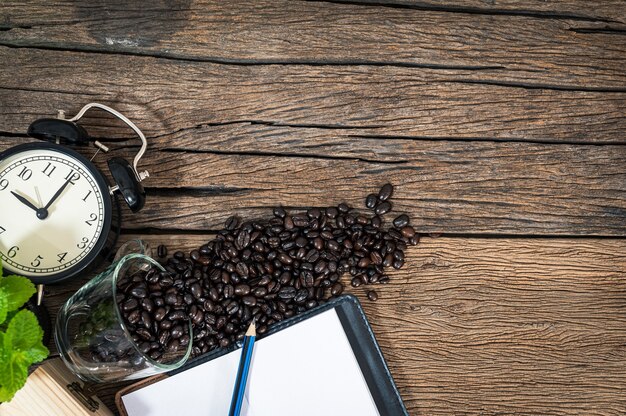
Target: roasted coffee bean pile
x=155, y=311
x=269, y=270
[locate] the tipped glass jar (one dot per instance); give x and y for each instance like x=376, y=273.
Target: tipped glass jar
x=95, y=339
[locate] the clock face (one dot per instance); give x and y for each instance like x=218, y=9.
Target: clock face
x=53, y=211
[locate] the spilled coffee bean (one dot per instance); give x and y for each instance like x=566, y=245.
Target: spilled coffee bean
x=269, y=270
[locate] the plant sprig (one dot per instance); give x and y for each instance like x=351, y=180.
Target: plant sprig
x=20, y=335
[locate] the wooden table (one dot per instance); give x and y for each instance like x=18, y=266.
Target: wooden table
x=502, y=124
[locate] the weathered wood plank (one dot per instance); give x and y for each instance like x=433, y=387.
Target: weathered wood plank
x=525, y=49
x=492, y=326
x=163, y=96
x=451, y=187
x=608, y=11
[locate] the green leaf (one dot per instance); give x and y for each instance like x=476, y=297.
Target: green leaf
x=12, y=377
x=4, y=305
x=5, y=396
x=35, y=354
x=24, y=330
x=19, y=289
x=5, y=348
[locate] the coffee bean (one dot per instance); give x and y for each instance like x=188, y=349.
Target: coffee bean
x=307, y=279
x=332, y=245
x=196, y=290
x=242, y=269
x=242, y=289
x=139, y=290
x=243, y=239
x=301, y=296
x=166, y=281
x=184, y=340
x=164, y=337
x=134, y=316
x=383, y=208
x=159, y=314
x=161, y=251
x=176, y=315
x=147, y=304
x=332, y=212
x=364, y=262
x=287, y=292
x=371, y=201
x=143, y=334
x=231, y=223
x=165, y=324
x=228, y=291
x=249, y=300
x=284, y=258
x=408, y=231
x=146, y=320
x=401, y=221
x=279, y=212
x=300, y=221
x=336, y=289
x=232, y=308
x=372, y=295
x=173, y=345
x=129, y=305
x=376, y=258
x=177, y=331
x=171, y=298
x=385, y=192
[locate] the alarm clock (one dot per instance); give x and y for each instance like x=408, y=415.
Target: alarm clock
x=58, y=213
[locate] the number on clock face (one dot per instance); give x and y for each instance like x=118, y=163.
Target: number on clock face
x=51, y=212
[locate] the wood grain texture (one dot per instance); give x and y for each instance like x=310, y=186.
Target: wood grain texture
x=501, y=122
x=450, y=187
x=46, y=393
x=606, y=11
x=527, y=49
x=163, y=96
x=492, y=326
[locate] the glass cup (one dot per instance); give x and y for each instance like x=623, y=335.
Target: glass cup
x=135, y=246
x=93, y=339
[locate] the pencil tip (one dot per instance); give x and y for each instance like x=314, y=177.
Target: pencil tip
x=251, y=332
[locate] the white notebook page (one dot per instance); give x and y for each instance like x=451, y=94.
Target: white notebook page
x=306, y=369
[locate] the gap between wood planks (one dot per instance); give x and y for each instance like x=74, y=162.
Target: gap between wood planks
x=122, y=142
x=491, y=236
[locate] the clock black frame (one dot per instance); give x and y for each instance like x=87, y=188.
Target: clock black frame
x=112, y=216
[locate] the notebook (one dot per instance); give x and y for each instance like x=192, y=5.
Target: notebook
x=323, y=362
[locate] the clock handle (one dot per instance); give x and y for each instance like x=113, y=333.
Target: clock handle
x=127, y=178
x=144, y=143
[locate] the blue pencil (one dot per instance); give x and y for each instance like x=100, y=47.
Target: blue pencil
x=242, y=373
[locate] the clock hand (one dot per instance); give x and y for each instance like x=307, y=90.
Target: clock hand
x=56, y=195
x=42, y=213
x=24, y=201
x=39, y=201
